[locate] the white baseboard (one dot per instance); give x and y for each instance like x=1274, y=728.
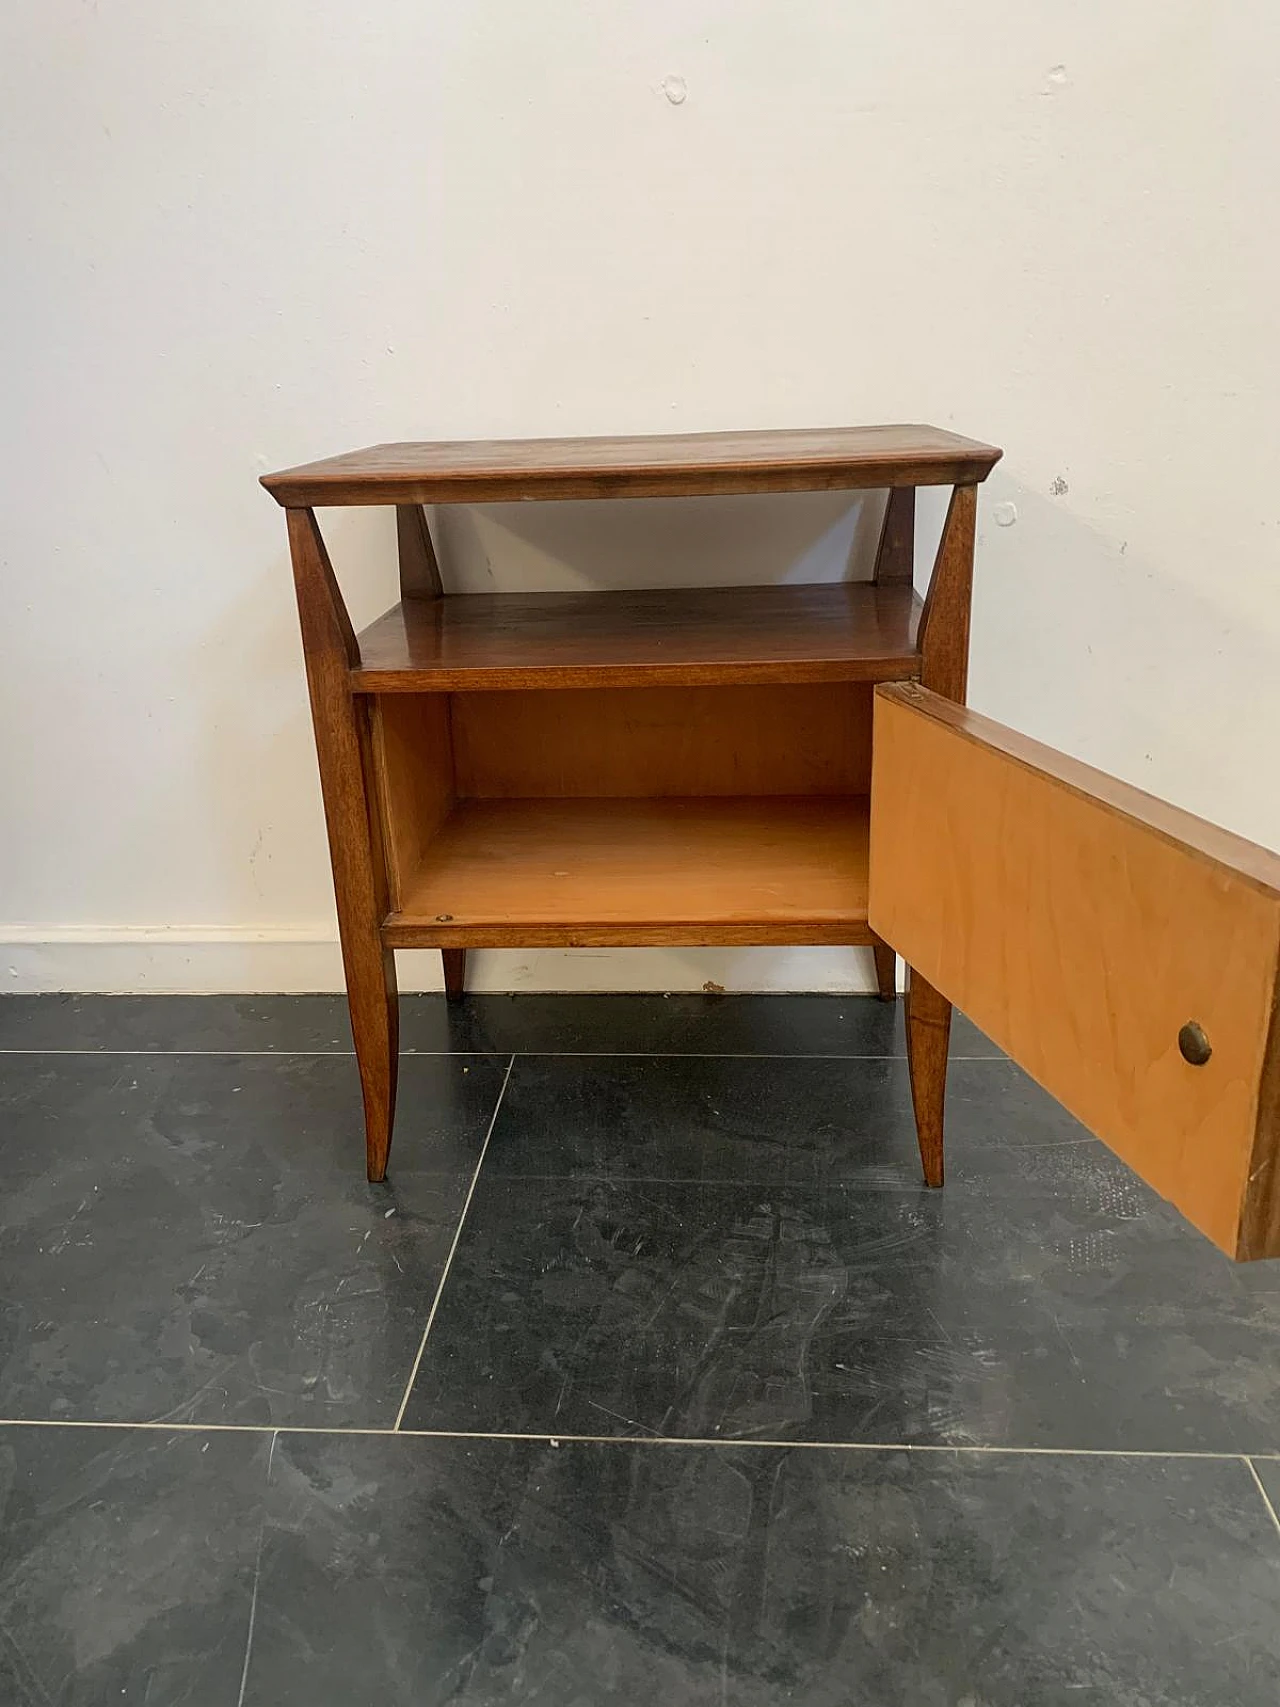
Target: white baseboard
x=145, y=959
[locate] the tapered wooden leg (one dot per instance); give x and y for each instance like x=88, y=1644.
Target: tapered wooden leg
x=355, y=847
x=886, y=970
x=375, y=1024
x=928, y=1035
x=372, y=992
x=455, y=972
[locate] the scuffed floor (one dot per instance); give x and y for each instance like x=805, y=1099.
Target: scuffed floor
x=652, y=1375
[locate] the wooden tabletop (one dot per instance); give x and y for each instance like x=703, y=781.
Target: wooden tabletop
x=670, y=465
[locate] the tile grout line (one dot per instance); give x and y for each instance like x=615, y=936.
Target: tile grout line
x=266, y=1054
x=923, y=1448
x=728, y=1442
x=457, y=1235
x=160, y=1427
x=1266, y=1497
x=493, y=1054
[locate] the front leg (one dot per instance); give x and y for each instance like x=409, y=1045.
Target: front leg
x=359, y=873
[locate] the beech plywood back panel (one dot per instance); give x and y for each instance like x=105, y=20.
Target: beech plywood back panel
x=664, y=741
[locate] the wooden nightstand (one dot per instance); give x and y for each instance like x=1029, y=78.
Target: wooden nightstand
x=786, y=764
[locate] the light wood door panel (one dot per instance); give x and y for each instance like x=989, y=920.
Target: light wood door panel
x=1082, y=924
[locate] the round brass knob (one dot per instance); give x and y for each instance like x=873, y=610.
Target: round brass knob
x=1195, y=1046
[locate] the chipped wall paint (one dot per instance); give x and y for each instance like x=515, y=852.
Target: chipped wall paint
x=243, y=235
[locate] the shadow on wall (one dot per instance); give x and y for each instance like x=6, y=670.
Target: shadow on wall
x=1084, y=641
x=659, y=542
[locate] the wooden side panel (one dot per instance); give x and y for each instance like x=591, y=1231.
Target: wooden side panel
x=652, y=742
x=1082, y=924
x=413, y=768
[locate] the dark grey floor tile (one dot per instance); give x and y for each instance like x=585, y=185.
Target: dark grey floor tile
x=993, y=1102
x=127, y=1562
x=795, y=1122
x=175, y=1022
x=687, y=1024
x=377, y=1568
x=703, y=1310
x=191, y=1238
x=704, y=1117
x=682, y=1024
x=484, y=1573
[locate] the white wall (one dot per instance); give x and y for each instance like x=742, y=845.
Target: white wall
x=242, y=234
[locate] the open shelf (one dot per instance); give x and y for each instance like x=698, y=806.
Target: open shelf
x=689, y=636
x=632, y=872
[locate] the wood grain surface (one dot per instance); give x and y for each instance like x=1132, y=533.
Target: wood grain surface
x=344, y=746
x=669, y=465
x=413, y=778
x=686, y=636
x=813, y=739
x=537, y=872
x=1082, y=923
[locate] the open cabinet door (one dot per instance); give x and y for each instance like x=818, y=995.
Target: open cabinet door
x=1121, y=951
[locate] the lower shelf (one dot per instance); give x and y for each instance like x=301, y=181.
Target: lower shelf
x=617, y=873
